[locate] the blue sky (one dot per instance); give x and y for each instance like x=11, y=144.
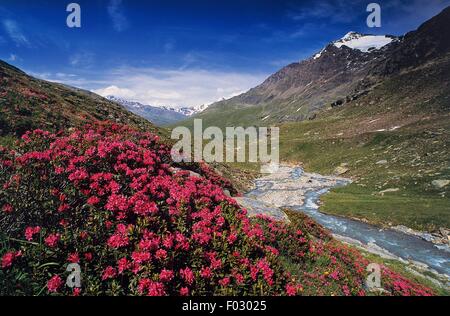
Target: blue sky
x=184, y=52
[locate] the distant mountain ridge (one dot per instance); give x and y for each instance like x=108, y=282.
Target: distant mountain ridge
x=187, y=111
x=159, y=115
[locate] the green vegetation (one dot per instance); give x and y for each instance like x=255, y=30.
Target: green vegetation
x=27, y=103
x=7, y=141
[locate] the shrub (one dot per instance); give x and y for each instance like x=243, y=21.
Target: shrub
x=102, y=197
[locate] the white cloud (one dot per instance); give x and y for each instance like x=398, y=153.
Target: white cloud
x=120, y=21
x=159, y=87
x=116, y=91
x=15, y=33
x=82, y=59
x=13, y=57
x=177, y=87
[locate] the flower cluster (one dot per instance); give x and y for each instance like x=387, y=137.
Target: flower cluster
x=106, y=198
x=326, y=266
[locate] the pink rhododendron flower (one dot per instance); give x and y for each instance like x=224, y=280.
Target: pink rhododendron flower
x=31, y=231
x=166, y=275
x=225, y=281
x=108, y=273
x=54, y=283
x=88, y=256
x=9, y=257
x=52, y=240
x=7, y=208
x=187, y=275
x=73, y=258
x=123, y=265
x=206, y=273
x=184, y=291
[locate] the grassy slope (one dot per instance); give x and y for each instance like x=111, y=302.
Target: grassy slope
x=28, y=103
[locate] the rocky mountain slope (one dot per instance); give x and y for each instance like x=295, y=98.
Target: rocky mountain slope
x=28, y=103
x=160, y=116
x=342, y=72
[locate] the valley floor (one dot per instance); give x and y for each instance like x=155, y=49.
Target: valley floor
x=398, y=174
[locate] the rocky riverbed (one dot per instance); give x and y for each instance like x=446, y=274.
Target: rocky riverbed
x=293, y=188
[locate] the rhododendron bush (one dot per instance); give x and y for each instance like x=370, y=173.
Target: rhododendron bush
x=106, y=198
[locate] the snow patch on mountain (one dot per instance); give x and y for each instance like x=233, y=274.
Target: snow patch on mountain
x=316, y=56
x=188, y=111
x=126, y=103
x=364, y=43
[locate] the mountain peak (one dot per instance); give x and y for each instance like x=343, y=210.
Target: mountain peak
x=364, y=42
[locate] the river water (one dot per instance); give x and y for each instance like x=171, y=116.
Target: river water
x=298, y=190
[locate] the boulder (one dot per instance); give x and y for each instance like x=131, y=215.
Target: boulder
x=337, y=103
x=194, y=174
x=439, y=184
x=227, y=192
x=174, y=170
x=312, y=117
x=341, y=170
x=444, y=231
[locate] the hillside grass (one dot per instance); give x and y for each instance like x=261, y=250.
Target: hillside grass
x=27, y=103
